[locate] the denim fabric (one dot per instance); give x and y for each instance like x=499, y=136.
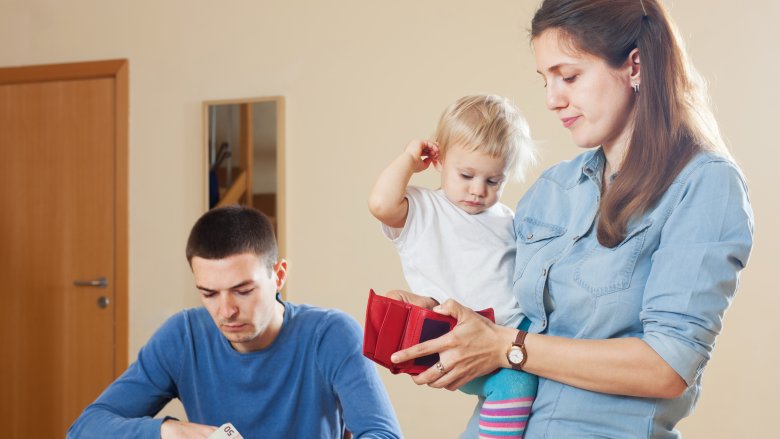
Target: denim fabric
x=668, y=283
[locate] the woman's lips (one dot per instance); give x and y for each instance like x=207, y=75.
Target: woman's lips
x=569, y=121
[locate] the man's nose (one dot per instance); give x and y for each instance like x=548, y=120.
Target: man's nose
x=227, y=306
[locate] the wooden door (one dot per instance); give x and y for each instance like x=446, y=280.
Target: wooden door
x=62, y=220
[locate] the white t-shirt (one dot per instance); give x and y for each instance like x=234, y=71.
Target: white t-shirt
x=447, y=253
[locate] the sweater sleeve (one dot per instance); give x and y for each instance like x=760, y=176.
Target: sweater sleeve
x=126, y=408
x=366, y=407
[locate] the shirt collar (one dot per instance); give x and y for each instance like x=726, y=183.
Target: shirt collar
x=593, y=167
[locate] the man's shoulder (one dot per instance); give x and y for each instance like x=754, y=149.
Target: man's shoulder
x=322, y=323
x=186, y=323
x=316, y=315
x=190, y=317
x=331, y=335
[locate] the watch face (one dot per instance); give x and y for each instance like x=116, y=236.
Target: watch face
x=515, y=355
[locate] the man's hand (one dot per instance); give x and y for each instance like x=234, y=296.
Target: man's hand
x=414, y=299
x=173, y=429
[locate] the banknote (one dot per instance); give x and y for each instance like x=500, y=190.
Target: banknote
x=226, y=431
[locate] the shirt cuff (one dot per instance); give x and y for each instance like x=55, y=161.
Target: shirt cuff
x=685, y=361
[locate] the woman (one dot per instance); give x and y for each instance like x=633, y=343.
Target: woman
x=628, y=255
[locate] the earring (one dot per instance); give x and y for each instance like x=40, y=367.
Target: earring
x=635, y=87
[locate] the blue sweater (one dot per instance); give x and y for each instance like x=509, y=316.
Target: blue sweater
x=311, y=382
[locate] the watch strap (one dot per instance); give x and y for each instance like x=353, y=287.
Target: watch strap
x=520, y=339
x=520, y=344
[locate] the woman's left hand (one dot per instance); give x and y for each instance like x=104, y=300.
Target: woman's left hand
x=475, y=347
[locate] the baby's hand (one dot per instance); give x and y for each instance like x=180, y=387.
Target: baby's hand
x=414, y=299
x=424, y=153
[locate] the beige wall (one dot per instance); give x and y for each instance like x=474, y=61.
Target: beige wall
x=361, y=78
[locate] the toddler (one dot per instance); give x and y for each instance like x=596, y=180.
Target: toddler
x=458, y=242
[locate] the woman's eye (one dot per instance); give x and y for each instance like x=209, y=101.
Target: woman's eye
x=492, y=183
x=570, y=79
x=466, y=176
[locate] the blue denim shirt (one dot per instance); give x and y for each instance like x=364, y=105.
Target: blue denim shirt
x=668, y=283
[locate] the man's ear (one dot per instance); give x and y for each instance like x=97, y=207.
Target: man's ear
x=280, y=270
x=635, y=67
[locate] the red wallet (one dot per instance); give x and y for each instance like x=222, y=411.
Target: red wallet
x=392, y=325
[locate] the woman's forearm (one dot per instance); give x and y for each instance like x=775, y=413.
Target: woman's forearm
x=476, y=346
x=621, y=366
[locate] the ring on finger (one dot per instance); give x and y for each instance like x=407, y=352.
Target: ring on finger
x=440, y=367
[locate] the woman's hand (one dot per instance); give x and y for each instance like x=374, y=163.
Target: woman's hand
x=475, y=347
x=414, y=299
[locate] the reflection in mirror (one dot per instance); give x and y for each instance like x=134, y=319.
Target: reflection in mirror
x=245, y=150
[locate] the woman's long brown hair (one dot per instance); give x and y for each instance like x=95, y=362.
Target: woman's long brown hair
x=673, y=117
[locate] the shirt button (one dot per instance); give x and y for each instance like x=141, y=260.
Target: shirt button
x=544, y=272
x=530, y=236
x=575, y=238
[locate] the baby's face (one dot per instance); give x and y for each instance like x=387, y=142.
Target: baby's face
x=472, y=180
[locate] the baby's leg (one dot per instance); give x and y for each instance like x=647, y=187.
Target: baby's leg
x=508, y=398
x=475, y=386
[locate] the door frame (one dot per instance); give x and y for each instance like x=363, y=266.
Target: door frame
x=118, y=71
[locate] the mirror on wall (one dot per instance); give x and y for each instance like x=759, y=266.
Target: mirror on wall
x=245, y=155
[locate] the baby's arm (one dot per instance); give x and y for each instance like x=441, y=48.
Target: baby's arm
x=414, y=299
x=387, y=201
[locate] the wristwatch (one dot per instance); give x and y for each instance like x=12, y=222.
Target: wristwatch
x=516, y=353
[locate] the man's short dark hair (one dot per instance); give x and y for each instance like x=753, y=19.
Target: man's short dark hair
x=232, y=230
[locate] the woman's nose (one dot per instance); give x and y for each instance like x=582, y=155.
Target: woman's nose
x=555, y=99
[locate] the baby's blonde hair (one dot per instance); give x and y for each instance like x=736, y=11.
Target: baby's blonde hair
x=491, y=125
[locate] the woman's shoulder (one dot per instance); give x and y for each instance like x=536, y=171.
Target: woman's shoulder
x=709, y=169
x=709, y=161
x=710, y=185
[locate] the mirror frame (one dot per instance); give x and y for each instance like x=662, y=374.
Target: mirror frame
x=281, y=189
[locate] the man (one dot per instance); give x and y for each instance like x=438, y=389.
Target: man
x=271, y=368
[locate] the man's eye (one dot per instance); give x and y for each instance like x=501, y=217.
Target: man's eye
x=244, y=292
x=206, y=294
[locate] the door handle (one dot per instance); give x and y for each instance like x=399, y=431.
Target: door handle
x=100, y=282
